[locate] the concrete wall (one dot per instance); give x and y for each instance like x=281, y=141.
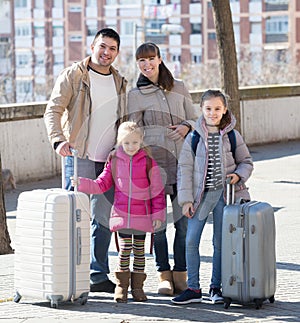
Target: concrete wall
x=269, y=114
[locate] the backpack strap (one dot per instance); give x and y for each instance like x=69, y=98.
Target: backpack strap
x=232, y=139
x=148, y=167
x=195, y=140
x=231, y=136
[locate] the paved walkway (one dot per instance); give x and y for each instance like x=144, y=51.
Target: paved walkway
x=276, y=179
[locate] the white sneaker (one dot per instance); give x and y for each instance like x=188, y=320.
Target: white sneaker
x=215, y=295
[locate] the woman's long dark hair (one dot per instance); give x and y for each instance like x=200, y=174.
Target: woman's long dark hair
x=226, y=119
x=165, y=78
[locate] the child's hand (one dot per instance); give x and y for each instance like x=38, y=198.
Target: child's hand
x=234, y=178
x=188, y=210
x=156, y=224
x=75, y=182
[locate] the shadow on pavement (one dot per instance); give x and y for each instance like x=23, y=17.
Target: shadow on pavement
x=275, y=150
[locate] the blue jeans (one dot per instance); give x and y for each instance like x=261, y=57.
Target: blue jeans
x=193, y=236
x=100, y=212
x=161, y=244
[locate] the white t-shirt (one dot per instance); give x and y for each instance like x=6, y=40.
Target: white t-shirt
x=101, y=138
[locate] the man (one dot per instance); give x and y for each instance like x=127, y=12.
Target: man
x=87, y=104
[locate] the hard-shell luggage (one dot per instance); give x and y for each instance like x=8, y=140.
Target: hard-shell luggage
x=52, y=251
x=248, y=252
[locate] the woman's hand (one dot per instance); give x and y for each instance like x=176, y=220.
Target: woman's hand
x=156, y=224
x=179, y=132
x=188, y=210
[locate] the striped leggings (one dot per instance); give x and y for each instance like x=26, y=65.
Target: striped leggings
x=138, y=247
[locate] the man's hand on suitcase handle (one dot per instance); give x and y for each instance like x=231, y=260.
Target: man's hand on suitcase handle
x=64, y=149
x=234, y=178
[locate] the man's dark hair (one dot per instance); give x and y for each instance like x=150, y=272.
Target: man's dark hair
x=108, y=32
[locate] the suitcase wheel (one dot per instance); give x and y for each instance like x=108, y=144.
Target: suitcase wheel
x=54, y=304
x=17, y=297
x=272, y=299
x=83, y=300
x=227, y=302
x=258, y=303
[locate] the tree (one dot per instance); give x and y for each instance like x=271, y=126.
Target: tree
x=227, y=51
x=5, y=241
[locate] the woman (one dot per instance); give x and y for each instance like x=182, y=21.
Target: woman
x=163, y=106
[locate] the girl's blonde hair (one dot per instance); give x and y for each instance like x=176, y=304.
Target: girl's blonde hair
x=127, y=128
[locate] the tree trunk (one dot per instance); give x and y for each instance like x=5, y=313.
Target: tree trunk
x=5, y=247
x=228, y=59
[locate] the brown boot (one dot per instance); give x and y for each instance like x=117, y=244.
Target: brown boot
x=137, y=282
x=165, y=286
x=122, y=284
x=179, y=280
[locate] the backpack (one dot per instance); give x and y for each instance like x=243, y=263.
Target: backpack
x=231, y=136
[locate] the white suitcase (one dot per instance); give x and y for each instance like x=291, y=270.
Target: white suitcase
x=248, y=253
x=52, y=250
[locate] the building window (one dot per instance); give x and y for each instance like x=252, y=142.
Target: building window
x=212, y=36
x=75, y=38
x=40, y=59
x=39, y=32
x=58, y=31
x=22, y=31
x=75, y=9
x=20, y=3
x=92, y=3
x=277, y=5
x=129, y=2
x=4, y=47
x=127, y=28
x=22, y=60
x=196, y=58
x=24, y=87
x=39, y=4
x=196, y=28
x=277, y=25
x=58, y=59
x=176, y=58
x=91, y=30
x=57, y=4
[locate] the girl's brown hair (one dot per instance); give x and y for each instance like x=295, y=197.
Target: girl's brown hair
x=226, y=119
x=165, y=78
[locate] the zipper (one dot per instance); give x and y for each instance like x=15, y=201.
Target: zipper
x=129, y=193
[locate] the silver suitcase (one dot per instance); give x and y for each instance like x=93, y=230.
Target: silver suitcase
x=52, y=251
x=248, y=252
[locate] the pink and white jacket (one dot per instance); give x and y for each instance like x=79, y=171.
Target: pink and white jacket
x=139, y=196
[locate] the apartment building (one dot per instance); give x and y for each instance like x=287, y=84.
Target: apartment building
x=38, y=38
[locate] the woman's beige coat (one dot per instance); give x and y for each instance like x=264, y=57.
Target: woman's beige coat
x=155, y=109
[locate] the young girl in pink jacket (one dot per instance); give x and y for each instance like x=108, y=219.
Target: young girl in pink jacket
x=139, y=205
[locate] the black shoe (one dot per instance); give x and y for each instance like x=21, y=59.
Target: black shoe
x=215, y=295
x=105, y=287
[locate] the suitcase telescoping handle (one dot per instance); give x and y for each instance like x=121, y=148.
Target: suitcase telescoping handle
x=63, y=171
x=229, y=192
